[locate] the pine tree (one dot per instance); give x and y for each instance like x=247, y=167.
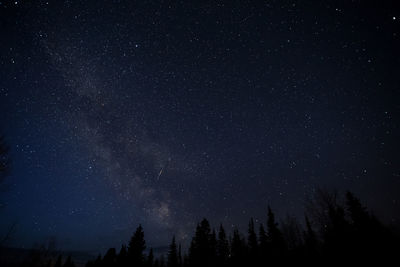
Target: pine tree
x=213, y=248
x=262, y=246
x=222, y=247
x=238, y=249
x=150, y=258
x=122, y=258
x=252, y=239
x=172, y=260
x=263, y=238
x=110, y=257
x=252, y=244
x=180, y=255
x=276, y=242
x=136, y=248
x=200, y=253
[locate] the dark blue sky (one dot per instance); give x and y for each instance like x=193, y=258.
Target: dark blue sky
x=119, y=113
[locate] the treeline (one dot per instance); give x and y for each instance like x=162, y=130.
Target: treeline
x=332, y=233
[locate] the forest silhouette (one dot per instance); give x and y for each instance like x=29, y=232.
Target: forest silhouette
x=332, y=233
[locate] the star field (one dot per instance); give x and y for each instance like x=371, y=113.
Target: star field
x=120, y=112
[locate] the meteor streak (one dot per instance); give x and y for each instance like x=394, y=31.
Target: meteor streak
x=159, y=174
x=162, y=169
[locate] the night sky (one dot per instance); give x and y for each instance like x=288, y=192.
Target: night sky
x=162, y=113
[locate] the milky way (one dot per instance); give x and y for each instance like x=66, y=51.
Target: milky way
x=113, y=132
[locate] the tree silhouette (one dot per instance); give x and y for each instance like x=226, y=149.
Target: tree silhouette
x=172, y=260
x=337, y=242
x=136, y=248
x=368, y=237
x=180, y=255
x=200, y=251
x=263, y=245
x=150, y=258
x=252, y=243
x=110, y=258
x=238, y=249
x=276, y=243
x=348, y=235
x=292, y=233
x=122, y=258
x=222, y=247
x=213, y=247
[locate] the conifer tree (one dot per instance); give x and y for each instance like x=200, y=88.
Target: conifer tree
x=238, y=249
x=122, y=258
x=263, y=239
x=252, y=239
x=222, y=247
x=276, y=242
x=200, y=253
x=213, y=248
x=180, y=255
x=150, y=258
x=110, y=258
x=172, y=260
x=136, y=248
